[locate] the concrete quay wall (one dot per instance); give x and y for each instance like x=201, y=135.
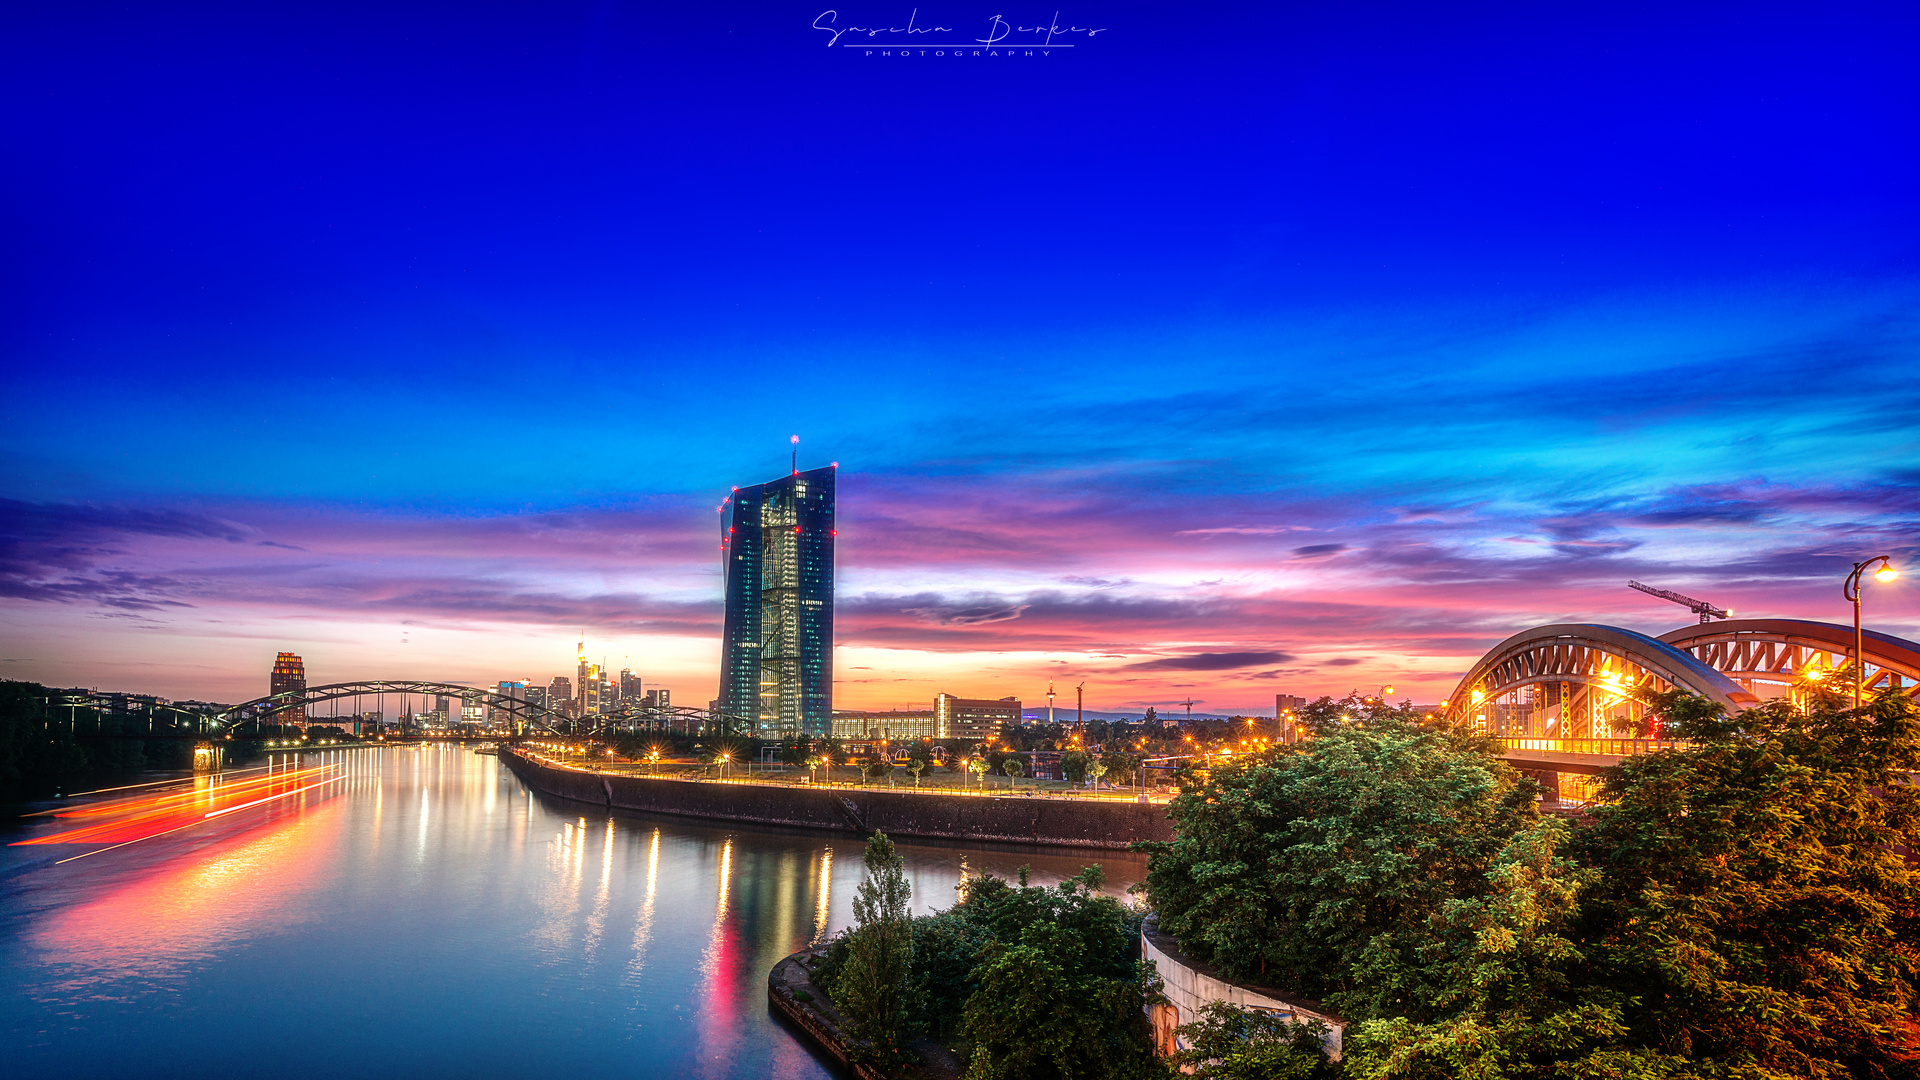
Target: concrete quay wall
x=1008, y=819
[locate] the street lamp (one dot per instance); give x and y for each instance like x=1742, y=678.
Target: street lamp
x=1851, y=591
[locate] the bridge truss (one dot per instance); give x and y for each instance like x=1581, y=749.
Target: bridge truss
x=522, y=716
x=1779, y=657
x=1577, y=681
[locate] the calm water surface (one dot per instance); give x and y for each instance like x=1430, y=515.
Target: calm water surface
x=428, y=917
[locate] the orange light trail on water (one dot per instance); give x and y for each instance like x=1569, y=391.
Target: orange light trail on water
x=129, y=820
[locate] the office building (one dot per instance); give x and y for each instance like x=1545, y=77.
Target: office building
x=560, y=695
x=289, y=677
x=776, y=664
x=506, y=716
x=629, y=687
x=973, y=719
x=897, y=726
x=1286, y=717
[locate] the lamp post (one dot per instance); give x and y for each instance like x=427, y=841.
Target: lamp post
x=1851, y=591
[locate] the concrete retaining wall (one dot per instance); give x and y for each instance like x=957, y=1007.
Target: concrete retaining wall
x=1008, y=819
x=1190, y=985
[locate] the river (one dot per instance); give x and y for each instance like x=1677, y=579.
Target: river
x=426, y=915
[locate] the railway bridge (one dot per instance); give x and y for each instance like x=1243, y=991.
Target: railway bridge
x=1560, y=698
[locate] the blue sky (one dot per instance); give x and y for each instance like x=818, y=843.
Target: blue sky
x=331, y=326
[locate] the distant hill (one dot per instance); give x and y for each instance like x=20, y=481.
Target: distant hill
x=1066, y=715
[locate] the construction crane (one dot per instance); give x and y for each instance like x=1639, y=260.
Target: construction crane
x=1706, y=611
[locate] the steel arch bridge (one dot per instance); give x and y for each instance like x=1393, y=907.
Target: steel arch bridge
x=1764, y=655
x=1560, y=698
x=1577, y=681
x=524, y=715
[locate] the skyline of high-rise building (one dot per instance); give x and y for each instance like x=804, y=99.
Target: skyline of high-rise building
x=289, y=677
x=776, y=662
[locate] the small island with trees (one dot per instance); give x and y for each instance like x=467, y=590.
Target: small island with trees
x=1742, y=906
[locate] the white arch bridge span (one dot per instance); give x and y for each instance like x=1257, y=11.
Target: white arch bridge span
x=1560, y=697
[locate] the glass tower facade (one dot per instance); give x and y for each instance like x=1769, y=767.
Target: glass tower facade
x=776, y=668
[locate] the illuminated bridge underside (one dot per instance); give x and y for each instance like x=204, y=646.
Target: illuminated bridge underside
x=1561, y=696
x=1768, y=656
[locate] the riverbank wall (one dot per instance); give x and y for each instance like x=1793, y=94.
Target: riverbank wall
x=1086, y=823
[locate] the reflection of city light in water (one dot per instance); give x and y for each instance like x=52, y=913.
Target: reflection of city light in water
x=719, y=1026
x=826, y=897
x=175, y=915
x=643, y=927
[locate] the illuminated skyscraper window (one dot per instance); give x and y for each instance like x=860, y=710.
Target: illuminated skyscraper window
x=776, y=668
x=289, y=677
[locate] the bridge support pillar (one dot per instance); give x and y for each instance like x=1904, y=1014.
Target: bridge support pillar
x=206, y=758
x=1548, y=780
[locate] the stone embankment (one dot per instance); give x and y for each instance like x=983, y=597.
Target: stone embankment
x=1091, y=823
x=791, y=992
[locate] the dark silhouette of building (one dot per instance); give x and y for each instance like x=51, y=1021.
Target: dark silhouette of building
x=776, y=664
x=289, y=677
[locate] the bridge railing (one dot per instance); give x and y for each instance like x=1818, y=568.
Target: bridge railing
x=1610, y=747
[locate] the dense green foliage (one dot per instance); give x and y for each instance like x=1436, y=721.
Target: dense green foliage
x=1027, y=981
x=1741, y=907
x=1230, y=1043
x=1291, y=870
x=1753, y=893
x=41, y=738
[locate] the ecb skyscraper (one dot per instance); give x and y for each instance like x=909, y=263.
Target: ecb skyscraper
x=776, y=671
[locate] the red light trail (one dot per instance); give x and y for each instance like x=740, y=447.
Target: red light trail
x=133, y=819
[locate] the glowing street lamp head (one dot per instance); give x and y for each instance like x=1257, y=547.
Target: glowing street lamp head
x=1885, y=573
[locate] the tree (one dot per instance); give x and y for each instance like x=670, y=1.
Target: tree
x=1756, y=898
x=1012, y=767
x=870, y=987
x=1231, y=1043
x=797, y=752
x=978, y=766
x=1096, y=770
x=1151, y=717
x=1061, y=991
x=1120, y=763
x=1499, y=985
x=916, y=766
x=1074, y=766
x=1293, y=866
